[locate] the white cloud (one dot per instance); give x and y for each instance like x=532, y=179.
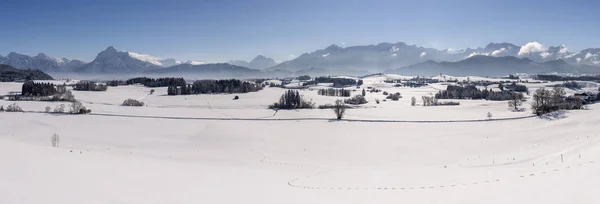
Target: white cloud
x=578, y=59
x=497, y=52
x=325, y=55
x=422, y=54
x=393, y=55
x=146, y=58
x=545, y=54
x=291, y=56
x=588, y=55
x=475, y=53
x=394, y=49
x=531, y=47
x=342, y=43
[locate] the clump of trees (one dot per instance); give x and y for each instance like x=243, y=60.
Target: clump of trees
x=304, y=78
x=546, y=101
x=132, y=102
x=77, y=108
x=572, y=85
x=413, y=101
x=432, y=101
x=517, y=88
x=115, y=83
x=291, y=99
x=334, y=92
x=337, y=82
x=89, y=86
x=356, y=100
x=394, y=97
x=472, y=92
x=159, y=82
x=31, y=88
x=215, y=87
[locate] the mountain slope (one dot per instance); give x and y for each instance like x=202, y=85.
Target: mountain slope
x=219, y=70
x=41, y=62
x=9, y=73
x=492, y=66
x=259, y=62
x=112, y=61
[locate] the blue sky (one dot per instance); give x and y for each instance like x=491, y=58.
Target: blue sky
x=221, y=30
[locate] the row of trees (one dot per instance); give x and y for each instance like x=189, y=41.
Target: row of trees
x=472, y=92
x=89, y=86
x=334, y=92
x=338, y=82
x=214, y=86
x=159, y=82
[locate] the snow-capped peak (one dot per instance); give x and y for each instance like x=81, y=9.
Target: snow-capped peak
x=193, y=62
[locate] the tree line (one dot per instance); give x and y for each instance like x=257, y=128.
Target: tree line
x=159, y=82
x=334, y=92
x=472, y=92
x=89, y=86
x=214, y=87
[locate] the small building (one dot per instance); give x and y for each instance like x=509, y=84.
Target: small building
x=586, y=97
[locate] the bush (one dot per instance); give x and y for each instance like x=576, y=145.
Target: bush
x=413, y=101
x=48, y=109
x=132, y=102
x=13, y=108
x=356, y=100
x=394, y=97
x=292, y=100
x=60, y=108
x=1, y=108
x=78, y=108
x=236, y=97
x=385, y=93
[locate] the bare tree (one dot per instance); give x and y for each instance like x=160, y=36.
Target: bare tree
x=55, y=139
x=48, y=109
x=339, y=108
x=515, y=101
x=60, y=108
x=413, y=101
x=489, y=115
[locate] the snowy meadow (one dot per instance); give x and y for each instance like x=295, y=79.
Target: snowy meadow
x=210, y=148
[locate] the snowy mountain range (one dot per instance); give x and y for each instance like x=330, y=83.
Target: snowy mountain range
x=41, y=62
x=353, y=60
x=259, y=62
x=386, y=56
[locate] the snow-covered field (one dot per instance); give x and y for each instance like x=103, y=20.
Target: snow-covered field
x=196, y=154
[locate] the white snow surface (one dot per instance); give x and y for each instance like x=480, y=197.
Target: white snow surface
x=110, y=159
